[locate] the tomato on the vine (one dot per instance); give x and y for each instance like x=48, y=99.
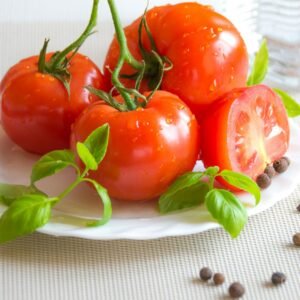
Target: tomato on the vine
x=245, y=130
x=148, y=147
x=37, y=111
x=208, y=54
x=41, y=96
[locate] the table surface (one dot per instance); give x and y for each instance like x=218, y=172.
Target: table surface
x=44, y=267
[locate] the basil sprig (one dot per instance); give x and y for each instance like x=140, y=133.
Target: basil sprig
x=258, y=74
x=193, y=189
x=29, y=208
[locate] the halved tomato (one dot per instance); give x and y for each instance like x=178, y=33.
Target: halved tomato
x=245, y=130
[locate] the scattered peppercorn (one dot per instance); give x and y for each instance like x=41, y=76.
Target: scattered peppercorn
x=236, y=290
x=270, y=171
x=263, y=181
x=296, y=239
x=287, y=160
x=280, y=165
x=219, y=278
x=298, y=207
x=206, y=274
x=278, y=278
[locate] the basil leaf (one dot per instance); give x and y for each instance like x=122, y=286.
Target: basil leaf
x=52, y=163
x=107, y=207
x=188, y=197
x=97, y=142
x=86, y=156
x=226, y=208
x=11, y=192
x=178, y=193
x=291, y=105
x=212, y=171
x=242, y=182
x=24, y=216
x=260, y=65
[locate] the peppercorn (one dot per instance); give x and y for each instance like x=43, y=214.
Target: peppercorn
x=236, y=290
x=263, y=181
x=287, y=160
x=296, y=239
x=280, y=165
x=219, y=278
x=270, y=171
x=298, y=207
x=206, y=274
x=278, y=278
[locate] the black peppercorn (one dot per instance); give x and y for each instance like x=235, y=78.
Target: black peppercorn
x=298, y=207
x=263, y=181
x=236, y=290
x=296, y=239
x=280, y=165
x=270, y=171
x=278, y=278
x=206, y=274
x=219, y=278
x=287, y=160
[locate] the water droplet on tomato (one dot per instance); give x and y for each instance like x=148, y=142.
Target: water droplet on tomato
x=213, y=86
x=169, y=121
x=181, y=107
x=51, y=78
x=27, y=67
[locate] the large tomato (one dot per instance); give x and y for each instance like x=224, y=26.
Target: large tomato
x=208, y=54
x=37, y=111
x=148, y=147
x=245, y=131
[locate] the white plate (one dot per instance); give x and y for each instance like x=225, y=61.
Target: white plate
x=138, y=221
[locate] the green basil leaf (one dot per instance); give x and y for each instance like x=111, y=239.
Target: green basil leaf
x=260, y=65
x=86, y=156
x=226, y=208
x=97, y=142
x=107, y=207
x=212, y=171
x=52, y=163
x=291, y=105
x=242, y=182
x=178, y=195
x=24, y=216
x=189, y=197
x=11, y=192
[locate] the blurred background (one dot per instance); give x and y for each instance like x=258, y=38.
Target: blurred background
x=62, y=20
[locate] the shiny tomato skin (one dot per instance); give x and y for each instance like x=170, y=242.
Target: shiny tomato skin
x=148, y=148
x=245, y=130
x=36, y=111
x=208, y=54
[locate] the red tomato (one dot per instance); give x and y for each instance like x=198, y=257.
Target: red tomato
x=148, y=148
x=208, y=54
x=245, y=131
x=37, y=112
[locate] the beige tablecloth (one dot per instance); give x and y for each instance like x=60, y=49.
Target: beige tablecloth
x=43, y=267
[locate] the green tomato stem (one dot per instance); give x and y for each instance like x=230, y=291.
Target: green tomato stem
x=121, y=37
x=76, y=44
x=125, y=56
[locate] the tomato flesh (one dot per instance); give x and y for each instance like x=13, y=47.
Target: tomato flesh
x=245, y=131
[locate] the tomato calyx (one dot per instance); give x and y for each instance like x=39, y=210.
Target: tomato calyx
x=155, y=64
x=58, y=64
x=152, y=65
